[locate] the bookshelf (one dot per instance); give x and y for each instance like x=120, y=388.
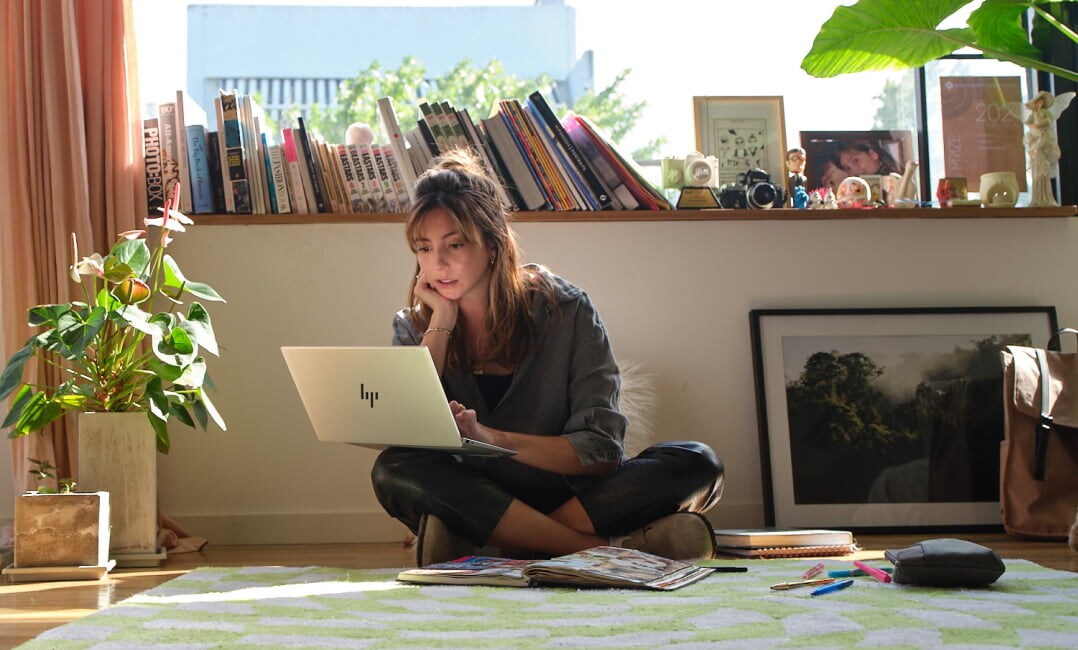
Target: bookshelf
x=662, y=215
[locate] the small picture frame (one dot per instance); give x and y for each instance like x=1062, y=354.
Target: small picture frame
x=743, y=133
x=885, y=419
x=832, y=156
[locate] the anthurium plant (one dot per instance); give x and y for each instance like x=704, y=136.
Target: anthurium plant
x=131, y=345
x=896, y=34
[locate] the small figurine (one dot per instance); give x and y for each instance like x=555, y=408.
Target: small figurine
x=829, y=201
x=853, y=192
x=815, y=201
x=905, y=193
x=1042, y=147
x=800, y=197
x=795, y=170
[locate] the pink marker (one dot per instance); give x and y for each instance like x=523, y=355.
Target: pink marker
x=814, y=571
x=872, y=571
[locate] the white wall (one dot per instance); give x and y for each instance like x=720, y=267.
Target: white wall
x=674, y=295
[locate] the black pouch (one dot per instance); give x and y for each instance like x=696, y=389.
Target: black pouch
x=945, y=562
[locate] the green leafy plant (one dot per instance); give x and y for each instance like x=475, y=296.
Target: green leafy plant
x=128, y=346
x=43, y=473
x=889, y=34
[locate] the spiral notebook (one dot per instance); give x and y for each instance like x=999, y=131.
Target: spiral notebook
x=783, y=542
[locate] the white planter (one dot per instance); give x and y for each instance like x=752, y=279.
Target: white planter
x=118, y=454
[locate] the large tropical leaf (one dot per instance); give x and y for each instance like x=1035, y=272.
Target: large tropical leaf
x=174, y=278
x=997, y=25
x=884, y=34
x=198, y=323
x=132, y=252
x=12, y=375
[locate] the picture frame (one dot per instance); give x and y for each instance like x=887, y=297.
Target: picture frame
x=885, y=418
x=831, y=156
x=742, y=132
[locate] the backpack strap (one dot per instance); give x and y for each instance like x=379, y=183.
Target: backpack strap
x=1045, y=425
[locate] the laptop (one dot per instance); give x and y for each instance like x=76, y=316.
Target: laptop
x=378, y=397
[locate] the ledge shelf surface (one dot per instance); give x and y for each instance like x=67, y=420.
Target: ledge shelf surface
x=783, y=214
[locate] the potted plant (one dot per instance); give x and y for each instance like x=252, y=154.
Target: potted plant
x=130, y=354
x=882, y=34
x=60, y=534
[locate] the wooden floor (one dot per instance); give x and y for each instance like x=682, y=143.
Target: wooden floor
x=27, y=610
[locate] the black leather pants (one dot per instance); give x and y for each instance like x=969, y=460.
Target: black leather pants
x=663, y=479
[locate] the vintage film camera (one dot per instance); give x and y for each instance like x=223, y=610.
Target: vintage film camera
x=697, y=176
x=753, y=189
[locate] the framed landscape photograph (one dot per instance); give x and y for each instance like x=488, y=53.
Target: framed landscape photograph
x=743, y=133
x=885, y=418
x=832, y=156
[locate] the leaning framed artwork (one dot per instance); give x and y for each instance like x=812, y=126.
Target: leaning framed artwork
x=743, y=133
x=885, y=418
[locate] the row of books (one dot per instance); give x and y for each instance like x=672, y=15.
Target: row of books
x=239, y=168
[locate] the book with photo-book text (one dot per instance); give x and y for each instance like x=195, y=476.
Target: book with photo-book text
x=783, y=542
x=602, y=566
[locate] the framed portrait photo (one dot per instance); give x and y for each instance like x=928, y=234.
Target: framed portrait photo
x=885, y=418
x=743, y=133
x=832, y=156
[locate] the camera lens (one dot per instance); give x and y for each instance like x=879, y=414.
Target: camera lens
x=762, y=196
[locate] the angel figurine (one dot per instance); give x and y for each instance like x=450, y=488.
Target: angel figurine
x=1039, y=115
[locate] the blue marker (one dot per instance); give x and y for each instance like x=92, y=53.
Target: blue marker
x=834, y=586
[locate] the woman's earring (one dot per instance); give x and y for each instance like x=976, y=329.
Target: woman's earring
x=492, y=260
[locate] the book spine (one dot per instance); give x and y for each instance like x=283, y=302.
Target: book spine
x=518, y=172
x=280, y=179
x=222, y=156
x=539, y=104
x=397, y=143
x=434, y=123
x=395, y=179
x=350, y=180
x=295, y=173
x=239, y=185
x=606, y=173
x=213, y=155
x=544, y=157
x=183, y=162
x=317, y=184
x=388, y=194
x=367, y=156
x=538, y=173
x=366, y=195
x=546, y=149
x=334, y=175
x=252, y=160
x=271, y=188
x=199, y=164
x=151, y=154
x=170, y=164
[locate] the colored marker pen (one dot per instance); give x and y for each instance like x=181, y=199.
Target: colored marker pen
x=853, y=573
x=813, y=572
x=834, y=586
x=872, y=571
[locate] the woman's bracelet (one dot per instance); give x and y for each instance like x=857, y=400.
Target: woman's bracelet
x=448, y=333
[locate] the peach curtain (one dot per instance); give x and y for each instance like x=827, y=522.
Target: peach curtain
x=70, y=161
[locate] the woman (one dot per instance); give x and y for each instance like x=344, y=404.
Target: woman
x=861, y=158
x=527, y=365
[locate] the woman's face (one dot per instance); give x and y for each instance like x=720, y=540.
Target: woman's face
x=859, y=163
x=454, y=267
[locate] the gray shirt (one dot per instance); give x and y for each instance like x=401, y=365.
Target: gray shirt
x=566, y=385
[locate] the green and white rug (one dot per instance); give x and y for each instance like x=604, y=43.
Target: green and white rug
x=317, y=607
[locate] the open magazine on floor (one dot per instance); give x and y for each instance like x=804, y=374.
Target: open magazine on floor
x=602, y=566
